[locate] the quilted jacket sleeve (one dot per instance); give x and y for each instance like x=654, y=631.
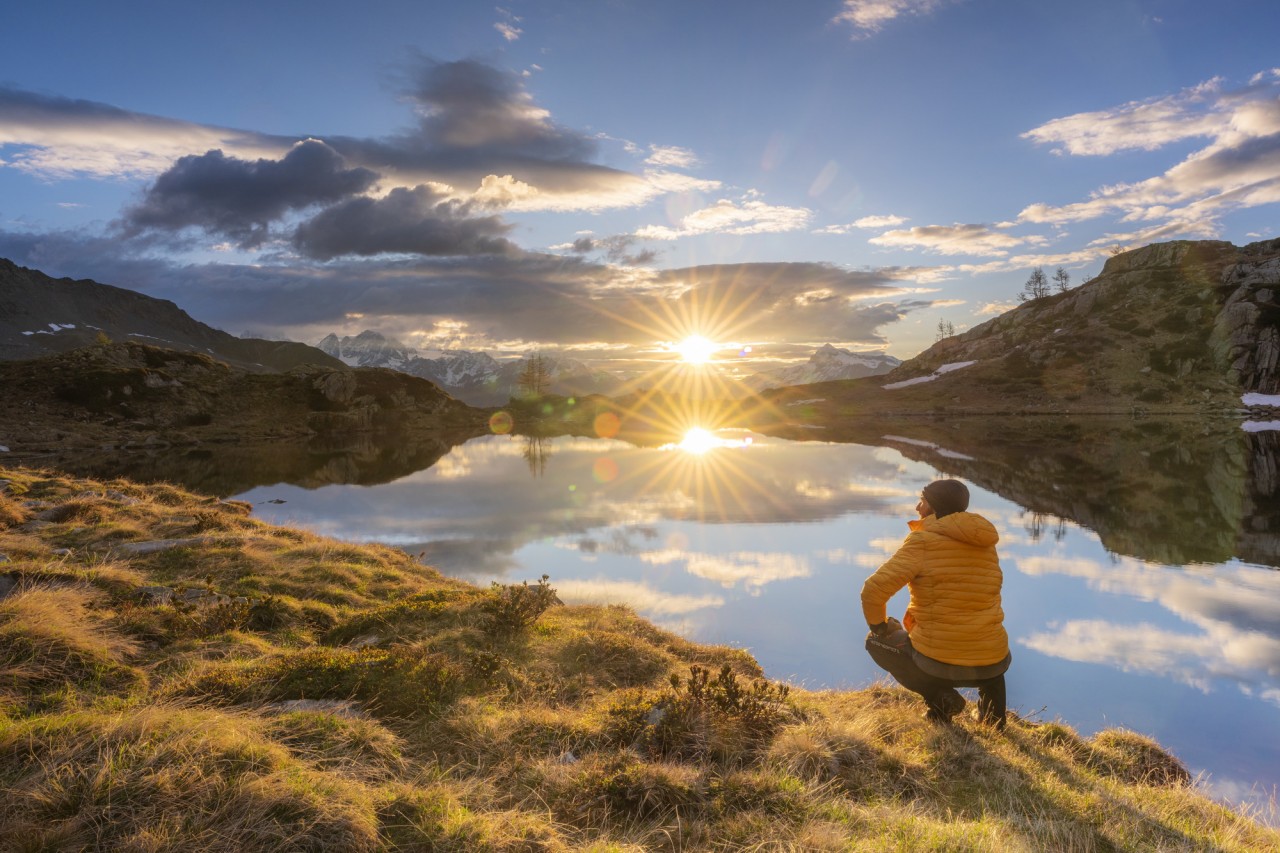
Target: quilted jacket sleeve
x=900, y=569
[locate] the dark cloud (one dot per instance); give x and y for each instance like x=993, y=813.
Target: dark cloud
x=477, y=121
x=416, y=221
x=239, y=199
x=554, y=300
x=617, y=249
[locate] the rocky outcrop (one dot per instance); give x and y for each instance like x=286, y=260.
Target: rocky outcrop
x=1248, y=327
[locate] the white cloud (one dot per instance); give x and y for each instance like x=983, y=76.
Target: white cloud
x=993, y=308
x=671, y=156
x=507, y=26
x=507, y=31
x=1238, y=168
x=865, y=222
x=956, y=239
x=870, y=16
x=729, y=217
x=1145, y=125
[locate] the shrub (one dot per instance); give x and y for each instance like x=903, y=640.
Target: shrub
x=716, y=716
x=509, y=609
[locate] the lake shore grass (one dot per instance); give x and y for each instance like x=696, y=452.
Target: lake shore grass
x=175, y=674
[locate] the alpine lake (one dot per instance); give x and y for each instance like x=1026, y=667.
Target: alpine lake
x=1141, y=556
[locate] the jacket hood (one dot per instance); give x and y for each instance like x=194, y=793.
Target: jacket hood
x=967, y=527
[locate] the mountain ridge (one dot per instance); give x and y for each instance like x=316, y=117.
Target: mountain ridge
x=41, y=315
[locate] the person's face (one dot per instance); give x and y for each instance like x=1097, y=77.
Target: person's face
x=923, y=507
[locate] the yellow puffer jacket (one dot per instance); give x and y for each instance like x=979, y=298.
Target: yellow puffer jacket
x=950, y=564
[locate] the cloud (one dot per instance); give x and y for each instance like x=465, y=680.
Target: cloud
x=477, y=131
x=616, y=248
x=995, y=308
x=1238, y=168
x=418, y=221
x=1144, y=125
x=507, y=26
x=671, y=156
x=865, y=222
x=870, y=16
x=59, y=138
x=955, y=239
x=238, y=198
x=502, y=298
x=728, y=217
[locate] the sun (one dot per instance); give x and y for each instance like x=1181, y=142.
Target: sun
x=696, y=349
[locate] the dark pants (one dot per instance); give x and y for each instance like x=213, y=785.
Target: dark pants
x=895, y=656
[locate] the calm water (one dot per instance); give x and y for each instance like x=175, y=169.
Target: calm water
x=1128, y=602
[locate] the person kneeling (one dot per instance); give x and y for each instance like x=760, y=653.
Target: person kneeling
x=953, y=632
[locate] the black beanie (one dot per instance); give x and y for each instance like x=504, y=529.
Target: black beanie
x=946, y=497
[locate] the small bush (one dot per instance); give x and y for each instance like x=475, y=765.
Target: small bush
x=510, y=609
x=717, y=716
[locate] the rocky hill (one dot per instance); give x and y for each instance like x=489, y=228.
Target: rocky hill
x=133, y=395
x=40, y=315
x=1172, y=327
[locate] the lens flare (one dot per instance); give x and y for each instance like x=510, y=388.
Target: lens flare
x=607, y=424
x=605, y=470
x=500, y=423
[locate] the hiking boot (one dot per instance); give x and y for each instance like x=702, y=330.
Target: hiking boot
x=950, y=704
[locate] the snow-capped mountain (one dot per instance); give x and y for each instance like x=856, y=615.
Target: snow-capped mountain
x=827, y=363
x=476, y=378
x=367, y=349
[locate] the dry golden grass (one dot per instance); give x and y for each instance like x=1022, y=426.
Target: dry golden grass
x=356, y=700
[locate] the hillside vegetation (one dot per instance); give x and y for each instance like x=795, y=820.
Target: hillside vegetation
x=178, y=675
x=1170, y=328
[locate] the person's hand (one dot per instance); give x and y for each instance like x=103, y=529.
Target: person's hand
x=887, y=627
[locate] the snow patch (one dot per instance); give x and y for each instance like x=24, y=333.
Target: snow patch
x=804, y=402
x=3, y=449
x=1260, y=426
x=941, y=451
x=1272, y=400
x=946, y=368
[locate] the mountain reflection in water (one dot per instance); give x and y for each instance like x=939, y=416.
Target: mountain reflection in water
x=1139, y=554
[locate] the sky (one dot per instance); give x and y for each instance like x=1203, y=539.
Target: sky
x=605, y=179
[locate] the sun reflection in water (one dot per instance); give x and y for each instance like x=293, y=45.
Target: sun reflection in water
x=698, y=441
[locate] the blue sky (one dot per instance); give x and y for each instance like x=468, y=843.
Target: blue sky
x=603, y=177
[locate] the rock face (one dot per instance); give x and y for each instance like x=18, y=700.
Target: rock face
x=1247, y=331
x=40, y=315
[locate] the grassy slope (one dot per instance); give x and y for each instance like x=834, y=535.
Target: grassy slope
x=355, y=700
